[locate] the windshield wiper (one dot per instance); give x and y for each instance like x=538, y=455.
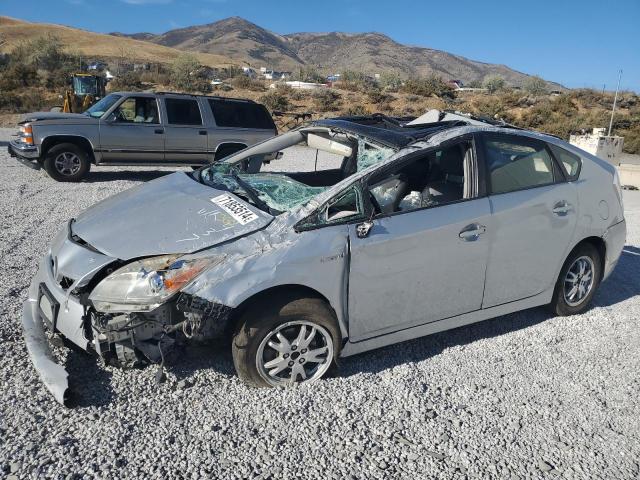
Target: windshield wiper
x=251, y=192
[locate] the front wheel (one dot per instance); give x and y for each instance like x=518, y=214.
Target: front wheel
x=67, y=162
x=578, y=281
x=286, y=341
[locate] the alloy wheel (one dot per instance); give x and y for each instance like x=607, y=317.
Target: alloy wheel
x=579, y=281
x=67, y=163
x=294, y=352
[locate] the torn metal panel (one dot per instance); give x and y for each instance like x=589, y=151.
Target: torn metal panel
x=256, y=263
x=54, y=376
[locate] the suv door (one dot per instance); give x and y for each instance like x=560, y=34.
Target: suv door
x=185, y=133
x=132, y=133
x=423, y=257
x=534, y=217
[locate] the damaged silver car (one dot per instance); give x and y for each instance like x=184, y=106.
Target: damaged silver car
x=336, y=238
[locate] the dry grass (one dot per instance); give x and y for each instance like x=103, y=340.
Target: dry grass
x=89, y=44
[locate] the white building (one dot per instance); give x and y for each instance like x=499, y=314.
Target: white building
x=599, y=144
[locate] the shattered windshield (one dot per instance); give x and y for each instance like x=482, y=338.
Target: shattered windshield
x=287, y=171
x=277, y=192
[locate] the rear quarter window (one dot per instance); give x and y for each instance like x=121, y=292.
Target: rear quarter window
x=569, y=161
x=241, y=115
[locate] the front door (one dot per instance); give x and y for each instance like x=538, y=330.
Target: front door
x=133, y=133
x=534, y=218
x=424, y=257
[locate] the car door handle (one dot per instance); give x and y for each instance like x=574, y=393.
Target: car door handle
x=202, y=132
x=472, y=232
x=159, y=131
x=561, y=208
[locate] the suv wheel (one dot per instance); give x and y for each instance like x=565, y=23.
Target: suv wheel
x=286, y=341
x=67, y=162
x=578, y=281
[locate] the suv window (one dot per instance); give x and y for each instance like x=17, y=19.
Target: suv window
x=569, y=161
x=183, y=111
x=137, y=110
x=516, y=164
x=240, y=114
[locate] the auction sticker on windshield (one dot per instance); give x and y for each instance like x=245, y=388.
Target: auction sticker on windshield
x=239, y=211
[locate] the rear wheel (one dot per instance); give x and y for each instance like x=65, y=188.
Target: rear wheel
x=67, y=162
x=285, y=341
x=578, y=281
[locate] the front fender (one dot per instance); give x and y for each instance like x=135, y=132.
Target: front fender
x=317, y=260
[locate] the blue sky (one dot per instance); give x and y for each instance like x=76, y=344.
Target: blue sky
x=577, y=43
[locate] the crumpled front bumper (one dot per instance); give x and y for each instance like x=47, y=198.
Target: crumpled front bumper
x=68, y=321
x=54, y=376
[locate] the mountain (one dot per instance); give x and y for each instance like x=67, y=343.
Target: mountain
x=370, y=53
x=89, y=44
x=236, y=38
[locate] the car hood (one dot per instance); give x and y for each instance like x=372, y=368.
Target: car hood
x=172, y=214
x=35, y=116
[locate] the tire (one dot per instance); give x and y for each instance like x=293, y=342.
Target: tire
x=287, y=315
x=563, y=303
x=67, y=162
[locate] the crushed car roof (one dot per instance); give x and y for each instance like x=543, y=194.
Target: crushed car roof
x=389, y=131
x=398, y=132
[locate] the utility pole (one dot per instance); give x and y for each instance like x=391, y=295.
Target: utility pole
x=615, y=100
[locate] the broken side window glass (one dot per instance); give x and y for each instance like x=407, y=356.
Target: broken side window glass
x=369, y=154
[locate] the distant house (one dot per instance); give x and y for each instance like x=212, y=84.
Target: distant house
x=249, y=72
x=275, y=75
x=455, y=84
x=333, y=78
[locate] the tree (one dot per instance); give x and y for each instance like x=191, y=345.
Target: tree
x=493, y=83
x=535, y=86
x=183, y=72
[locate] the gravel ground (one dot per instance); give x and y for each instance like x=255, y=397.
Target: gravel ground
x=526, y=395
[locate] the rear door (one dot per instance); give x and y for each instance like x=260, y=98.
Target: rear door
x=133, y=133
x=533, y=216
x=239, y=121
x=185, y=131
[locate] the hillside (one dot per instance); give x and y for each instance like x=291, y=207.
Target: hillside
x=366, y=52
x=89, y=44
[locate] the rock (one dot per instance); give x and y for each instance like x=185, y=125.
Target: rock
x=544, y=466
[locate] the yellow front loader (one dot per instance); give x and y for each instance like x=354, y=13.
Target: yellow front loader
x=86, y=89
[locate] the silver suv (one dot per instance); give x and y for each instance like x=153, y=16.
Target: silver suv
x=147, y=129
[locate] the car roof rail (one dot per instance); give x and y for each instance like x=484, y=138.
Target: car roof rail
x=216, y=97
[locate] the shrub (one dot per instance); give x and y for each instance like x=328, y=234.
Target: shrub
x=354, y=111
x=493, y=83
x=535, y=86
x=432, y=86
x=377, y=97
x=17, y=76
x=129, y=81
x=390, y=81
x=183, y=72
x=244, y=82
x=275, y=100
x=309, y=74
x=325, y=100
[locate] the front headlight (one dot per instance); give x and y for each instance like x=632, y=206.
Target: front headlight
x=144, y=284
